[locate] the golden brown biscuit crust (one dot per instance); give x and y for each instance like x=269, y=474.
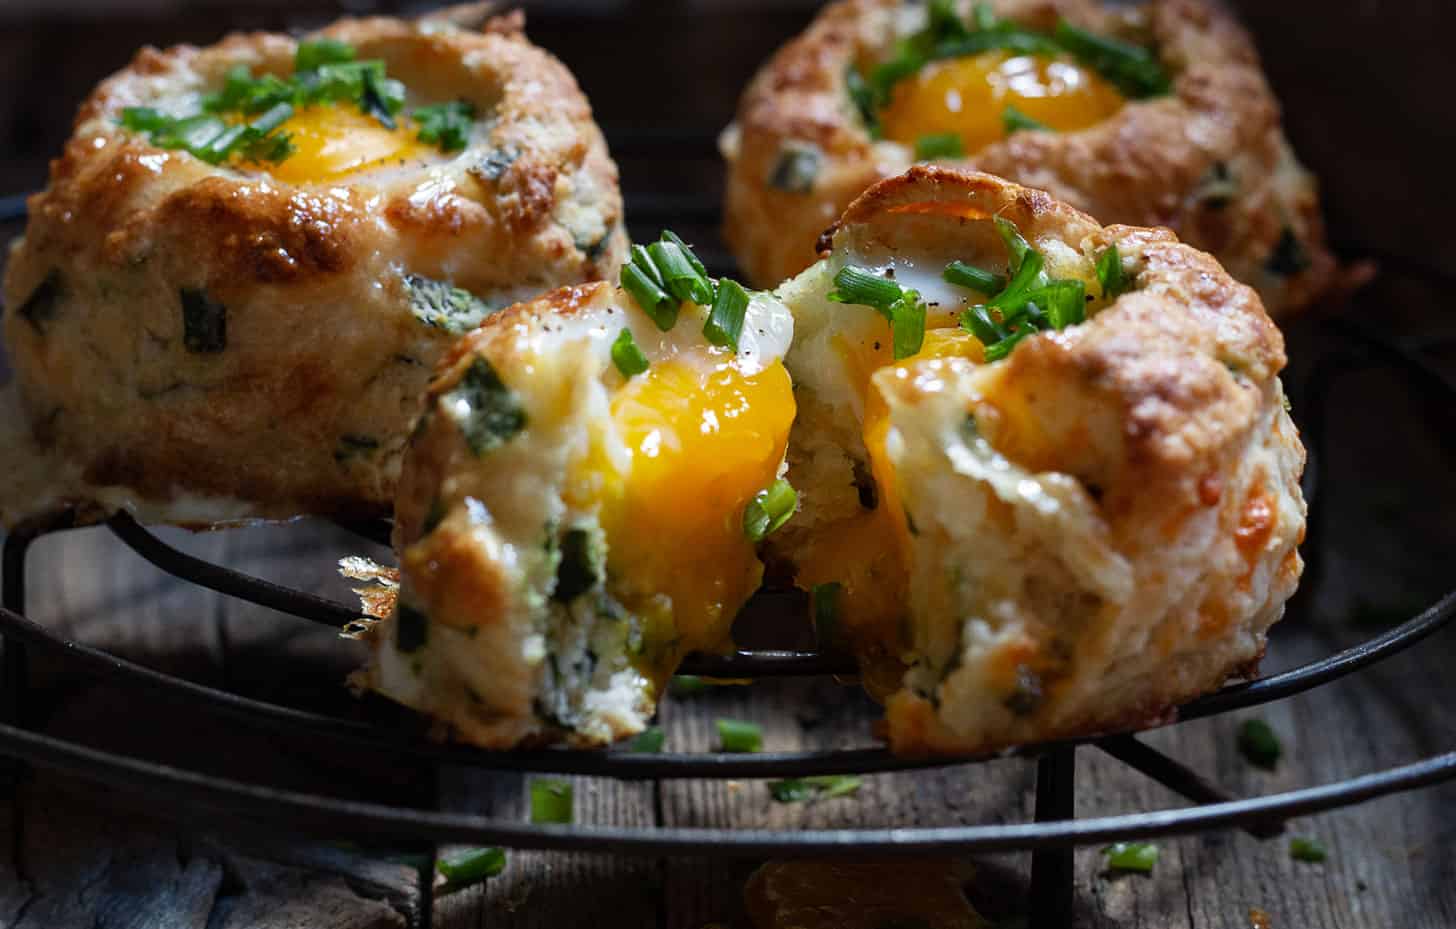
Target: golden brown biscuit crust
x=306, y=407
x=1159, y=162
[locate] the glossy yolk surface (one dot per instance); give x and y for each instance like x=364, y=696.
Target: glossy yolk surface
x=967, y=96
x=704, y=439
x=853, y=551
x=334, y=141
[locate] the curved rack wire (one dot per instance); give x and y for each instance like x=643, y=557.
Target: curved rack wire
x=1050, y=836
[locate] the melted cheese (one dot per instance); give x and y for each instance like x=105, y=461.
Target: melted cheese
x=967, y=96
x=333, y=141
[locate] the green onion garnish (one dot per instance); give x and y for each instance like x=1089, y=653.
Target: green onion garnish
x=657, y=303
x=769, y=510
x=1307, y=849
x=907, y=325
x=964, y=275
x=649, y=741
x=1132, y=856
x=470, y=866
x=551, y=801
x=669, y=236
x=1015, y=120
x=1259, y=745
x=824, y=600
x=819, y=787
x=865, y=288
x=1133, y=69
x=1109, y=274
x=725, y=322
x=735, y=735
x=627, y=356
x=939, y=145
x=314, y=53
x=679, y=277
x=685, y=685
x=446, y=124
x=1016, y=243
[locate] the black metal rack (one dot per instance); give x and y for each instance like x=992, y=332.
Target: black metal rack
x=1050, y=837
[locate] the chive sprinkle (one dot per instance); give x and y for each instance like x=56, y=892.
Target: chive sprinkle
x=680, y=278
x=669, y=236
x=865, y=288
x=469, y=866
x=1110, y=275
x=1138, y=857
x=551, y=801
x=725, y=321
x=627, y=356
x=657, y=303
x=769, y=509
x=1259, y=745
x=1307, y=849
x=963, y=275
x=939, y=145
x=735, y=735
x=1014, y=120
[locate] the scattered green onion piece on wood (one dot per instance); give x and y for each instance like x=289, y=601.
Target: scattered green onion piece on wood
x=1014, y=120
x=1259, y=745
x=939, y=145
x=818, y=787
x=725, y=321
x=679, y=277
x=1307, y=849
x=769, y=510
x=469, y=866
x=649, y=741
x=735, y=735
x=686, y=685
x=551, y=801
x=627, y=356
x=963, y=275
x=1132, y=856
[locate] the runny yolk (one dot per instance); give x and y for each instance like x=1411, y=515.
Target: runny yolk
x=868, y=553
x=704, y=439
x=332, y=141
x=968, y=96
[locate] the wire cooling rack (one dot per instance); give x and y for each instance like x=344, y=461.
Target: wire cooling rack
x=1050, y=837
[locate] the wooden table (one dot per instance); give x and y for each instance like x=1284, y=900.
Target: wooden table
x=81, y=856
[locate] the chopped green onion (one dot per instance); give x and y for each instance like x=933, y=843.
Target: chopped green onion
x=1030, y=275
x=669, y=236
x=939, y=145
x=1014, y=120
x=984, y=17
x=824, y=600
x=446, y=125
x=863, y=98
x=725, y=322
x=865, y=288
x=313, y=53
x=735, y=735
x=679, y=277
x=470, y=866
x=551, y=801
x=1064, y=302
x=1307, y=849
x=1110, y=275
x=818, y=787
x=1016, y=243
x=657, y=303
x=143, y=119
x=964, y=275
x=769, y=510
x=649, y=741
x=1132, y=856
x=1133, y=69
x=627, y=356
x=978, y=322
x=1004, y=347
x=1259, y=745
x=907, y=325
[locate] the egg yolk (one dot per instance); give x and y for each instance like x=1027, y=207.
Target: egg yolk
x=331, y=142
x=868, y=553
x=967, y=96
x=703, y=439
